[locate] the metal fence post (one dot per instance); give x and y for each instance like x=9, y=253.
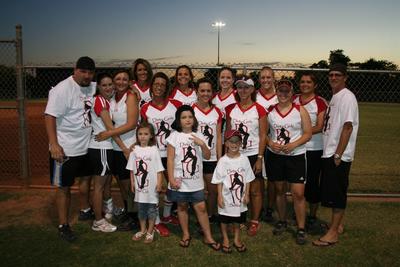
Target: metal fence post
x=21, y=108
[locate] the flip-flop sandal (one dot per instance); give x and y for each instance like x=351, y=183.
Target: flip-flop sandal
x=323, y=243
x=226, y=249
x=241, y=248
x=215, y=246
x=185, y=243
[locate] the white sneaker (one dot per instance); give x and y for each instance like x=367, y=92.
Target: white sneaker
x=104, y=226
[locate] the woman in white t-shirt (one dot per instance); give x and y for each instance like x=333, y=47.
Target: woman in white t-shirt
x=124, y=111
x=266, y=96
x=142, y=75
x=289, y=131
x=316, y=107
x=101, y=153
x=249, y=118
x=209, y=118
x=183, y=88
x=186, y=150
x=160, y=112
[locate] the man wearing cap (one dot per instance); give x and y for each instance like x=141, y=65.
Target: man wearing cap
x=68, y=126
x=339, y=139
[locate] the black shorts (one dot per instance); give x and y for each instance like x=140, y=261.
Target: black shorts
x=312, y=190
x=209, y=167
x=119, y=166
x=101, y=161
x=253, y=160
x=229, y=219
x=164, y=162
x=334, y=183
x=64, y=174
x=282, y=168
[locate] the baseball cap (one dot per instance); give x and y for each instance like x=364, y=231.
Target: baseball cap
x=85, y=63
x=284, y=84
x=338, y=67
x=244, y=80
x=231, y=133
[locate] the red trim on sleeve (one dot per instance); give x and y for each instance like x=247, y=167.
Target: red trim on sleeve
x=271, y=108
x=176, y=103
x=220, y=115
x=143, y=111
x=322, y=105
x=297, y=106
x=100, y=104
x=260, y=110
x=229, y=108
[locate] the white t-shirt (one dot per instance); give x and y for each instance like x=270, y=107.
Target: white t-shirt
x=70, y=104
x=208, y=121
x=246, y=121
x=100, y=104
x=286, y=128
x=342, y=108
x=266, y=102
x=234, y=174
x=188, y=165
x=186, y=99
x=119, y=114
x=144, y=92
x=314, y=106
x=222, y=103
x=145, y=162
x=161, y=119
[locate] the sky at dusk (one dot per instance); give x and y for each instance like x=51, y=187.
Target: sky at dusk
x=180, y=31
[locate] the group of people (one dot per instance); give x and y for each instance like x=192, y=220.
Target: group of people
x=213, y=149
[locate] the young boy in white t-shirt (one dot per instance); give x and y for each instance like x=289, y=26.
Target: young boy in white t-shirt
x=233, y=176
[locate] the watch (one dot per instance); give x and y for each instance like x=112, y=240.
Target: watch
x=260, y=156
x=337, y=156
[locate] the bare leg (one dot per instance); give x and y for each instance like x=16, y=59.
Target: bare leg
x=225, y=237
x=280, y=191
x=143, y=226
x=183, y=217
x=107, y=188
x=236, y=238
x=202, y=217
x=212, y=194
x=84, y=192
x=99, y=182
x=313, y=209
x=299, y=204
x=256, y=198
x=150, y=227
x=63, y=198
x=333, y=233
x=271, y=194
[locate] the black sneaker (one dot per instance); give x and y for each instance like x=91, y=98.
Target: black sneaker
x=127, y=225
x=65, y=233
x=86, y=215
x=300, y=237
x=269, y=215
x=280, y=227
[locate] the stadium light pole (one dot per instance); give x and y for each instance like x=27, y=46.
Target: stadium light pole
x=218, y=25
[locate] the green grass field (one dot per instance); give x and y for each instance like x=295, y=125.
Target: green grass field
x=376, y=166
x=371, y=238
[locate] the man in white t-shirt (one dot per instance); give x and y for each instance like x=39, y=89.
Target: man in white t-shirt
x=339, y=140
x=68, y=126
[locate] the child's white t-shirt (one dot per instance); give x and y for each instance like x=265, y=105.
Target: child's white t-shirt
x=145, y=162
x=188, y=164
x=234, y=174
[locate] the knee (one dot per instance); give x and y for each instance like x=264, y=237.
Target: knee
x=298, y=195
x=182, y=207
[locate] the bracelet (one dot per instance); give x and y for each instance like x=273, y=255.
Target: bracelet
x=260, y=156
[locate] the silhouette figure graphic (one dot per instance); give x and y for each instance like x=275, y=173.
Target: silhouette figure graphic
x=236, y=181
x=208, y=134
x=163, y=129
x=283, y=137
x=244, y=134
x=326, y=120
x=87, y=117
x=142, y=170
x=189, y=155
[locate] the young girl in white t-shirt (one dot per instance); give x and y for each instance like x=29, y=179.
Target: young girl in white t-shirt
x=233, y=176
x=185, y=152
x=146, y=178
